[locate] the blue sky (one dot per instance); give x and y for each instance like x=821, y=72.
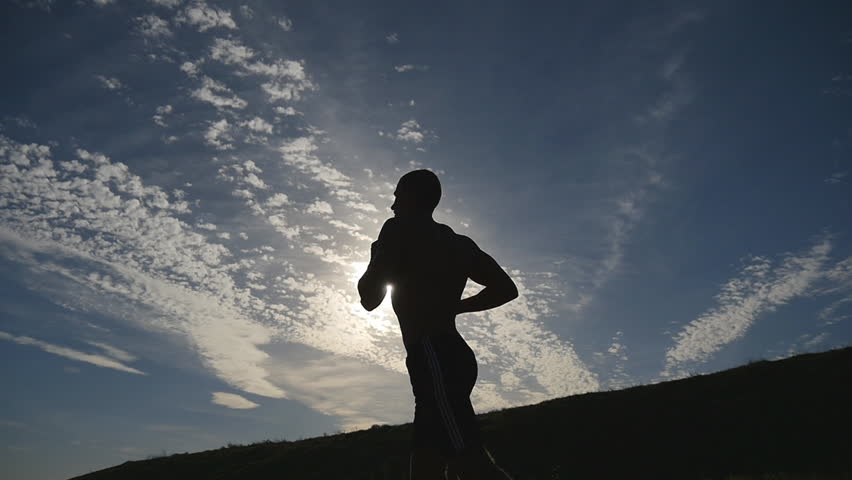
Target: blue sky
x=189, y=189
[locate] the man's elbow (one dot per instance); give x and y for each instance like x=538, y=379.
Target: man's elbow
x=507, y=291
x=511, y=292
x=369, y=305
x=370, y=299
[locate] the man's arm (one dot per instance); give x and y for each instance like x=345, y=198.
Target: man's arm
x=384, y=252
x=499, y=287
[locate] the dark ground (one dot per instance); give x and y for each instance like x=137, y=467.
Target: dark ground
x=785, y=419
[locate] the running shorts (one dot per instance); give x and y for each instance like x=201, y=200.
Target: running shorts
x=442, y=369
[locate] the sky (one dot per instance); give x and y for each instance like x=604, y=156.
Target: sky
x=189, y=190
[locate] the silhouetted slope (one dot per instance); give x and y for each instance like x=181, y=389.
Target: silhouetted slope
x=791, y=416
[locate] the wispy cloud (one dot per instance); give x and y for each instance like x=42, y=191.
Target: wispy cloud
x=230, y=51
x=98, y=360
x=409, y=67
x=21, y=121
x=110, y=83
x=232, y=400
x=806, y=343
x=626, y=209
x=285, y=23
x=162, y=112
x=218, y=135
x=532, y=363
x=44, y=5
x=836, y=177
x=162, y=264
x=288, y=111
x=678, y=95
x=623, y=211
x=360, y=394
x=167, y=3
x=300, y=153
x=839, y=282
x=218, y=95
x=153, y=26
x=320, y=207
x=684, y=19
x=287, y=78
x=205, y=17
x=410, y=131
x=190, y=68
x=258, y=125
x=113, y=352
x=761, y=287
x=615, y=359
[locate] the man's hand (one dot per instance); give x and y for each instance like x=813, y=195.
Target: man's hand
x=372, y=287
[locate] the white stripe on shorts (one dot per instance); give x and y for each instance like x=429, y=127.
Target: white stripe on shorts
x=441, y=396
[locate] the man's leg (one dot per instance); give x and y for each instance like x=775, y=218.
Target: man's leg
x=477, y=464
x=426, y=464
x=452, y=367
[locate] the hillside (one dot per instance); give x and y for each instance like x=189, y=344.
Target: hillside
x=789, y=418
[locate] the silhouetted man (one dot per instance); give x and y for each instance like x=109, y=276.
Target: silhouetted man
x=428, y=264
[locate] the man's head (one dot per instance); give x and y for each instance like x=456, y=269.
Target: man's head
x=417, y=194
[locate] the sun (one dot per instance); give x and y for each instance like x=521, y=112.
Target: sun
x=357, y=269
x=382, y=317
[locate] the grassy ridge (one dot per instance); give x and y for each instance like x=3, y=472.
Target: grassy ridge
x=785, y=419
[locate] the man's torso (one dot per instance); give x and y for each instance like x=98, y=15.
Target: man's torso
x=429, y=277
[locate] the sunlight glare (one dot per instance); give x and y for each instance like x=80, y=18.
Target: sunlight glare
x=382, y=317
